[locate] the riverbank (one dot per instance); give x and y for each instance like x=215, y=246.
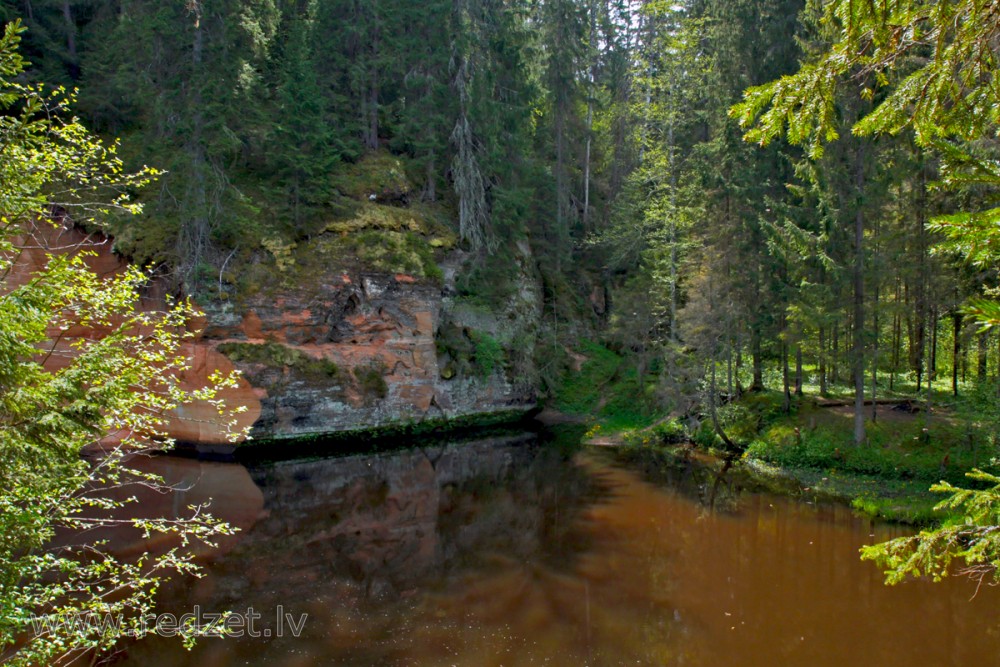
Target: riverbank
x=900, y=501
x=806, y=448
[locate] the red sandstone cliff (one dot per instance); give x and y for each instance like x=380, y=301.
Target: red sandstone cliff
x=348, y=351
x=359, y=350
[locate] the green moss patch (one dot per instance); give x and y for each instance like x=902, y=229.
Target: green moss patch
x=276, y=355
x=418, y=219
x=392, y=239
x=387, y=436
x=608, y=388
x=470, y=352
x=395, y=252
x=380, y=174
x=371, y=380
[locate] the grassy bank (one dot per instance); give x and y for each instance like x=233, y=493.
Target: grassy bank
x=604, y=387
x=912, y=443
x=811, y=446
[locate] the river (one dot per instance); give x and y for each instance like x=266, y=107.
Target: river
x=510, y=551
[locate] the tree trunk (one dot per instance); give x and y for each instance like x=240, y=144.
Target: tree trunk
x=897, y=335
x=70, y=25
x=592, y=9
x=875, y=320
x=966, y=349
x=430, y=174
x=858, y=347
x=739, y=368
x=729, y=370
x=918, y=351
x=956, y=350
x=932, y=369
x=798, y=369
x=562, y=194
x=371, y=138
x=786, y=389
x=758, y=361
x=371, y=122
x=834, y=349
x=822, y=361
x=193, y=239
x=713, y=391
x=981, y=358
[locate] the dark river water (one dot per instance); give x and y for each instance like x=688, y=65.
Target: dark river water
x=507, y=551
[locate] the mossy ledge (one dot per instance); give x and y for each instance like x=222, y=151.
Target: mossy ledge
x=276, y=355
x=385, y=436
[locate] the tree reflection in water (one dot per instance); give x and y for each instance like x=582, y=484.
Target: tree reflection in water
x=506, y=551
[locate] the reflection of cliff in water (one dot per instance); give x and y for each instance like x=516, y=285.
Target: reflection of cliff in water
x=379, y=526
x=504, y=553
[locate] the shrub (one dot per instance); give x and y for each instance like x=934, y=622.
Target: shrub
x=670, y=431
x=488, y=355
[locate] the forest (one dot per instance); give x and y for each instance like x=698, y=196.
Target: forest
x=768, y=227
x=599, y=131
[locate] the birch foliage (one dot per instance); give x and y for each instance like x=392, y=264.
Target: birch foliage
x=65, y=391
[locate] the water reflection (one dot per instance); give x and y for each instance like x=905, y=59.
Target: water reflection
x=224, y=490
x=502, y=552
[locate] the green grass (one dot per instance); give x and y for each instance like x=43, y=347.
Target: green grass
x=664, y=432
x=930, y=449
x=890, y=474
x=607, y=387
x=488, y=354
x=893, y=500
x=810, y=450
x=581, y=392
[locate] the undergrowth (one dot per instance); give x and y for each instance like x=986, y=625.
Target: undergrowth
x=608, y=388
x=811, y=447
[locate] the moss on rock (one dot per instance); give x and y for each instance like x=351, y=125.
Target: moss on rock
x=371, y=380
x=380, y=174
x=276, y=355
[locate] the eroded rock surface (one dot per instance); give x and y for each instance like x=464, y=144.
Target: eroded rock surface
x=347, y=351
x=356, y=351
x=196, y=422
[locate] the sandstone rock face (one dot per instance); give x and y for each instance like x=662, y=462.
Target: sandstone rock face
x=347, y=351
x=353, y=351
x=196, y=422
